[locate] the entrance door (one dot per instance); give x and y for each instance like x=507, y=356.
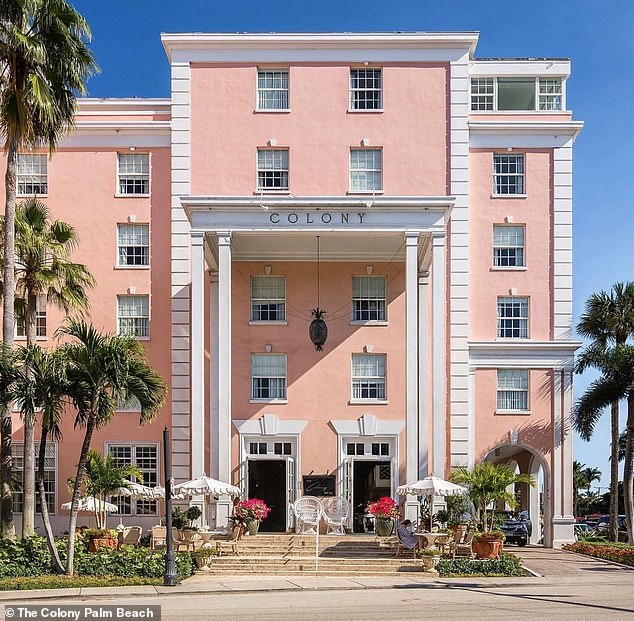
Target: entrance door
x=370, y=481
x=267, y=480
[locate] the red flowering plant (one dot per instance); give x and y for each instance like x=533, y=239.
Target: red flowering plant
x=247, y=511
x=384, y=507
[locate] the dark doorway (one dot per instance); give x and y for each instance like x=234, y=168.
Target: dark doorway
x=372, y=480
x=267, y=481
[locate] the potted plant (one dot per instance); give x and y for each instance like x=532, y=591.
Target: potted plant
x=179, y=518
x=429, y=558
x=488, y=544
x=385, y=511
x=100, y=538
x=192, y=514
x=250, y=513
x=203, y=556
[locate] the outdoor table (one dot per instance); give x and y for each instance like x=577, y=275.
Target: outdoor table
x=428, y=540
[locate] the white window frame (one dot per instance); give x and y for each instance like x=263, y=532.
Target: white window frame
x=513, y=316
x=276, y=93
x=277, y=384
x=143, y=248
x=513, y=390
x=366, y=179
x=483, y=97
x=31, y=174
x=134, y=176
x=476, y=99
x=512, y=249
x=267, y=299
x=17, y=451
x=361, y=96
x=374, y=304
x=137, y=319
x=125, y=502
x=506, y=180
x=277, y=173
x=370, y=383
x=40, y=320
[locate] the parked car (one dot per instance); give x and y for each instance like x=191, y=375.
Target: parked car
x=603, y=527
x=515, y=530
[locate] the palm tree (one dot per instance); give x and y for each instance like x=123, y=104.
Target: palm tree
x=608, y=320
x=488, y=483
x=41, y=386
x=579, y=482
x=44, y=64
x=102, y=477
x=616, y=382
x=101, y=369
x=43, y=268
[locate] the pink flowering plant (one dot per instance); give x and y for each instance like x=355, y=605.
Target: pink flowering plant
x=384, y=507
x=249, y=510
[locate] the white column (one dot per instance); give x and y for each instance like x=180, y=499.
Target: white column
x=214, y=420
x=197, y=355
x=411, y=373
x=439, y=356
x=424, y=375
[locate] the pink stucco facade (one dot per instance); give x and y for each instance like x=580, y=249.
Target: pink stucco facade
x=431, y=377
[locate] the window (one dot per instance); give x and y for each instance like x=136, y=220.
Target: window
x=131, y=405
x=517, y=94
x=512, y=392
x=508, y=246
x=368, y=377
x=133, y=241
x=145, y=457
x=482, y=94
x=268, y=298
x=134, y=173
x=258, y=448
x=513, y=318
x=272, y=90
x=366, y=170
x=17, y=453
x=40, y=319
x=550, y=94
x=355, y=448
x=282, y=448
x=365, y=89
x=31, y=174
x=272, y=169
x=380, y=448
x=368, y=298
x=133, y=315
x=268, y=376
x=508, y=174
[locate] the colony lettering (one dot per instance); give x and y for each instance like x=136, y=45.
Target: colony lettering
x=79, y=613
x=321, y=217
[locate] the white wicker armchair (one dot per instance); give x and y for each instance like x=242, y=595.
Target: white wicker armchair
x=308, y=511
x=336, y=512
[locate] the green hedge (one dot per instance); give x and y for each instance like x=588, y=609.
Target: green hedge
x=618, y=552
x=31, y=557
x=506, y=565
x=71, y=582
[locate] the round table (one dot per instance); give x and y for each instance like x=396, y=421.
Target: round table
x=428, y=541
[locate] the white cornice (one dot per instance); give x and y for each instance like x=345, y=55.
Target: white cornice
x=524, y=354
x=123, y=106
x=542, y=128
x=520, y=67
x=122, y=127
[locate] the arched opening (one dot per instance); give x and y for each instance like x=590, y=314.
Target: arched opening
x=536, y=500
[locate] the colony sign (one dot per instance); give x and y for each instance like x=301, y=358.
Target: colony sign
x=317, y=218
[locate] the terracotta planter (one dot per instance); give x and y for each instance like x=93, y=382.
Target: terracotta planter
x=383, y=526
x=487, y=547
x=99, y=543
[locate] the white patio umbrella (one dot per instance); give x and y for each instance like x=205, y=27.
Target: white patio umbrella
x=431, y=486
x=90, y=503
x=206, y=486
x=140, y=492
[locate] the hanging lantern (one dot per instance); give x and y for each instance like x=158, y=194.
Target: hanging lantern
x=318, y=330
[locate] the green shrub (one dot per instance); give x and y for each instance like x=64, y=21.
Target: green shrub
x=617, y=552
x=506, y=565
x=71, y=582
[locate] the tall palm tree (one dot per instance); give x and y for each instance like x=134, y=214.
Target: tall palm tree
x=44, y=65
x=579, y=482
x=43, y=268
x=101, y=369
x=608, y=320
x=488, y=483
x=616, y=382
x=41, y=387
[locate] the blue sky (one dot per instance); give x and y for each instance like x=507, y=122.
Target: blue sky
x=595, y=34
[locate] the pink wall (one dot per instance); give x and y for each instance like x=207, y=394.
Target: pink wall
x=226, y=129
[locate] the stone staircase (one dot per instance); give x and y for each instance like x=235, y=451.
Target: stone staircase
x=291, y=554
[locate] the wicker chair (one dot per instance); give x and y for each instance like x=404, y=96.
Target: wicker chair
x=308, y=511
x=158, y=537
x=336, y=513
x=130, y=536
x=463, y=548
x=232, y=543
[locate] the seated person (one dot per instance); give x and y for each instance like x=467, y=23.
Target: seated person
x=405, y=535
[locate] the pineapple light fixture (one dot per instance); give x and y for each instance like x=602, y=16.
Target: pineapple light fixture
x=318, y=330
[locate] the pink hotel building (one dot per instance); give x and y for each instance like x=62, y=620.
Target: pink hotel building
x=438, y=189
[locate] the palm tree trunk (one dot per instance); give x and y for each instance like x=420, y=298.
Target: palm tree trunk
x=28, y=473
x=7, y=526
x=628, y=490
x=46, y=520
x=614, y=472
x=70, y=554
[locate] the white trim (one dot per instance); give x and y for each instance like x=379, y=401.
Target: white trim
x=88, y=106
x=411, y=355
x=522, y=354
x=539, y=128
x=270, y=425
x=515, y=67
x=367, y=425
